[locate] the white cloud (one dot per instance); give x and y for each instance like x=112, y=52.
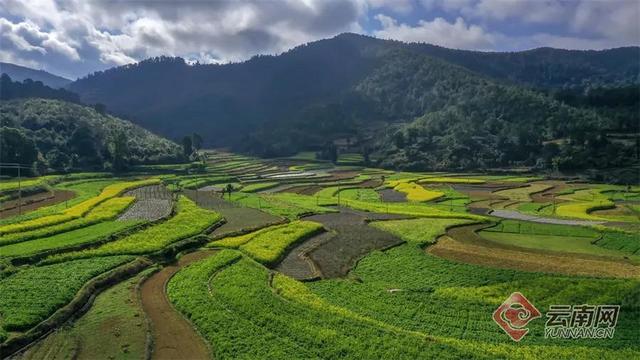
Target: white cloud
x=397, y=6
x=27, y=36
x=107, y=33
x=439, y=31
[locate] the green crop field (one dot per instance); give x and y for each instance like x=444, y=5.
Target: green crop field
x=326, y=266
x=31, y=295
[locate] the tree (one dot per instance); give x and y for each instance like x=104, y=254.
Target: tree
x=197, y=141
x=16, y=147
x=58, y=160
x=187, y=146
x=85, y=144
x=120, y=151
x=228, y=189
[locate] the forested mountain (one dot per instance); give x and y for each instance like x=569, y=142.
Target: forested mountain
x=28, y=88
x=416, y=106
x=21, y=73
x=57, y=135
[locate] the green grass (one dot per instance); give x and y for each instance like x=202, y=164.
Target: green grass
x=255, y=187
x=304, y=155
x=525, y=227
x=409, y=209
x=80, y=236
x=190, y=220
x=418, y=231
x=363, y=194
x=552, y=243
x=523, y=194
x=621, y=241
x=537, y=209
x=31, y=295
x=113, y=328
x=349, y=159
x=287, y=205
x=453, y=180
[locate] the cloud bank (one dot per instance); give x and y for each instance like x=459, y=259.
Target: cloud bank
x=75, y=37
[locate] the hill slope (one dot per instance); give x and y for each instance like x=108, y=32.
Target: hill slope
x=359, y=87
x=61, y=135
x=21, y=73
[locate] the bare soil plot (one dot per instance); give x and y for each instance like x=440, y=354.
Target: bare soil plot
x=391, y=195
x=173, y=336
x=34, y=202
x=297, y=263
x=152, y=203
x=353, y=239
x=448, y=248
x=302, y=189
x=237, y=218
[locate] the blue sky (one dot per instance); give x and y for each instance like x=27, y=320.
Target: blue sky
x=75, y=37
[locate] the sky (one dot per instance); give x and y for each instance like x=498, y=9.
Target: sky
x=73, y=38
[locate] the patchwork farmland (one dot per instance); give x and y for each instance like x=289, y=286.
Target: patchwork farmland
x=240, y=257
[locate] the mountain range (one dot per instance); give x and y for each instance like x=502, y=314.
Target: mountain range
x=21, y=73
x=410, y=106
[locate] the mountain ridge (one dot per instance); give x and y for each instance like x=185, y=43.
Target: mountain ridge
x=304, y=98
x=21, y=73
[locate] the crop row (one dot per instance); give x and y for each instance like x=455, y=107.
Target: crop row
x=286, y=205
x=107, y=210
x=31, y=295
x=83, y=191
x=76, y=211
x=409, y=209
x=81, y=236
x=526, y=227
x=255, y=187
x=416, y=192
x=245, y=318
x=408, y=288
x=268, y=247
x=189, y=220
x=523, y=194
x=418, y=231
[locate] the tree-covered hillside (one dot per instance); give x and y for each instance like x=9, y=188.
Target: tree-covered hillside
x=507, y=107
x=21, y=73
x=60, y=136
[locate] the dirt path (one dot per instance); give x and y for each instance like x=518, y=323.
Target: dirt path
x=174, y=337
x=34, y=202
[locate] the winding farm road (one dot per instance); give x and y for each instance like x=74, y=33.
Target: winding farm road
x=173, y=336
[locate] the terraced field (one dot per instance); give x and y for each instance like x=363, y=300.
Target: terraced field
x=307, y=259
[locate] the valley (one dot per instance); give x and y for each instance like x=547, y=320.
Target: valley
x=310, y=259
